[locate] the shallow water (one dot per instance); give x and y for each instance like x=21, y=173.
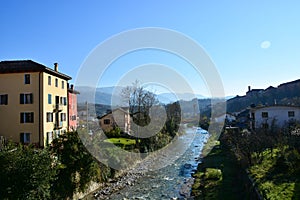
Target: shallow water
x=167, y=182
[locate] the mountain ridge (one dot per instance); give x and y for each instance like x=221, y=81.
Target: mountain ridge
x=284, y=94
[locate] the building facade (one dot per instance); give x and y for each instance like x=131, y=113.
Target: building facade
x=266, y=116
x=117, y=118
x=33, y=102
x=72, y=103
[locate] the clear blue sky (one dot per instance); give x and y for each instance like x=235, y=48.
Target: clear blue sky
x=253, y=43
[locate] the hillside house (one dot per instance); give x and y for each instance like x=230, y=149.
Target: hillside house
x=254, y=92
x=279, y=115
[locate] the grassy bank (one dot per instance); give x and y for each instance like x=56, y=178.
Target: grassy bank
x=277, y=174
x=272, y=162
x=219, y=177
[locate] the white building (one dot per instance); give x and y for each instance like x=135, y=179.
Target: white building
x=264, y=117
x=229, y=117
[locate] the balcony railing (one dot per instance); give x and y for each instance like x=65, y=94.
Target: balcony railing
x=57, y=107
x=58, y=125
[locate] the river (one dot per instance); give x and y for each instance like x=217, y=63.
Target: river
x=173, y=181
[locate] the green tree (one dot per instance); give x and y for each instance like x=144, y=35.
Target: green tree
x=76, y=167
x=26, y=173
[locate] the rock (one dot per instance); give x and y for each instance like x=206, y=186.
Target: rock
x=187, y=165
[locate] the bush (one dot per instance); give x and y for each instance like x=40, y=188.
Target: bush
x=26, y=173
x=213, y=174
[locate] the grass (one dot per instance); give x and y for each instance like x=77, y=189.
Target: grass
x=273, y=177
x=217, y=177
x=124, y=143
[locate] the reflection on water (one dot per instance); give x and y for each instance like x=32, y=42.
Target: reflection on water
x=168, y=182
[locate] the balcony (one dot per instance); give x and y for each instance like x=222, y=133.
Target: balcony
x=58, y=125
x=57, y=107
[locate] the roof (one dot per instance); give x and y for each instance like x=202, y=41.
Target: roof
x=278, y=105
x=20, y=66
x=73, y=91
x=121, y=109
x=290, y=83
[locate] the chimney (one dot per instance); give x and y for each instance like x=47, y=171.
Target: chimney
x=56, y=67
x=249, y=88
x=72, y=86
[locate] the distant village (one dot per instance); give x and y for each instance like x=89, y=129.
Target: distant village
x=265, y=115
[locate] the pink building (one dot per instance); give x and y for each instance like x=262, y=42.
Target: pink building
x=72, y=114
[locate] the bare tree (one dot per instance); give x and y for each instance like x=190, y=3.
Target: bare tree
x=139, y=101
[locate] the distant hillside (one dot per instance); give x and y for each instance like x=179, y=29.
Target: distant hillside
x=170, y=97
x=104, y=95
x=99, y=95
x=286, y=94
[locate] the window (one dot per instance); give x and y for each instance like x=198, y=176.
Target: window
x=63, y=100
x=49, y=137
x=291, y=113
x=25, y=138
x=56, y=82
x=107, y=121
x=49, y=117
x=26, y=117
x=57, y=133
x=73, y=118
x=264, y=114
x=62, y=85
x=49, y=99
x=57, y=100
x=63, y=117
x=26, y=98
x=49, y=80
x=265, y=125
x=3, y=99
x=27, y=79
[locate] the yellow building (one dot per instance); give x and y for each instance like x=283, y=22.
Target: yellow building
x=33, y=102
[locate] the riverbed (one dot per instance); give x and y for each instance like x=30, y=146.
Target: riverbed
x=171, y=182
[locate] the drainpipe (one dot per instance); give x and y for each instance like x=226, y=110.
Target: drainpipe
x=40, y=127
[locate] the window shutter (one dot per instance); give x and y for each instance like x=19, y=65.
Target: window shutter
x=21, y=98
x=22, y=137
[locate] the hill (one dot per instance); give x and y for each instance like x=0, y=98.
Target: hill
x=285, y=94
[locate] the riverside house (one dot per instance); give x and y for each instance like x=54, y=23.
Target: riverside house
x=33, y=102
x=117, y=118
x=72, y=103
